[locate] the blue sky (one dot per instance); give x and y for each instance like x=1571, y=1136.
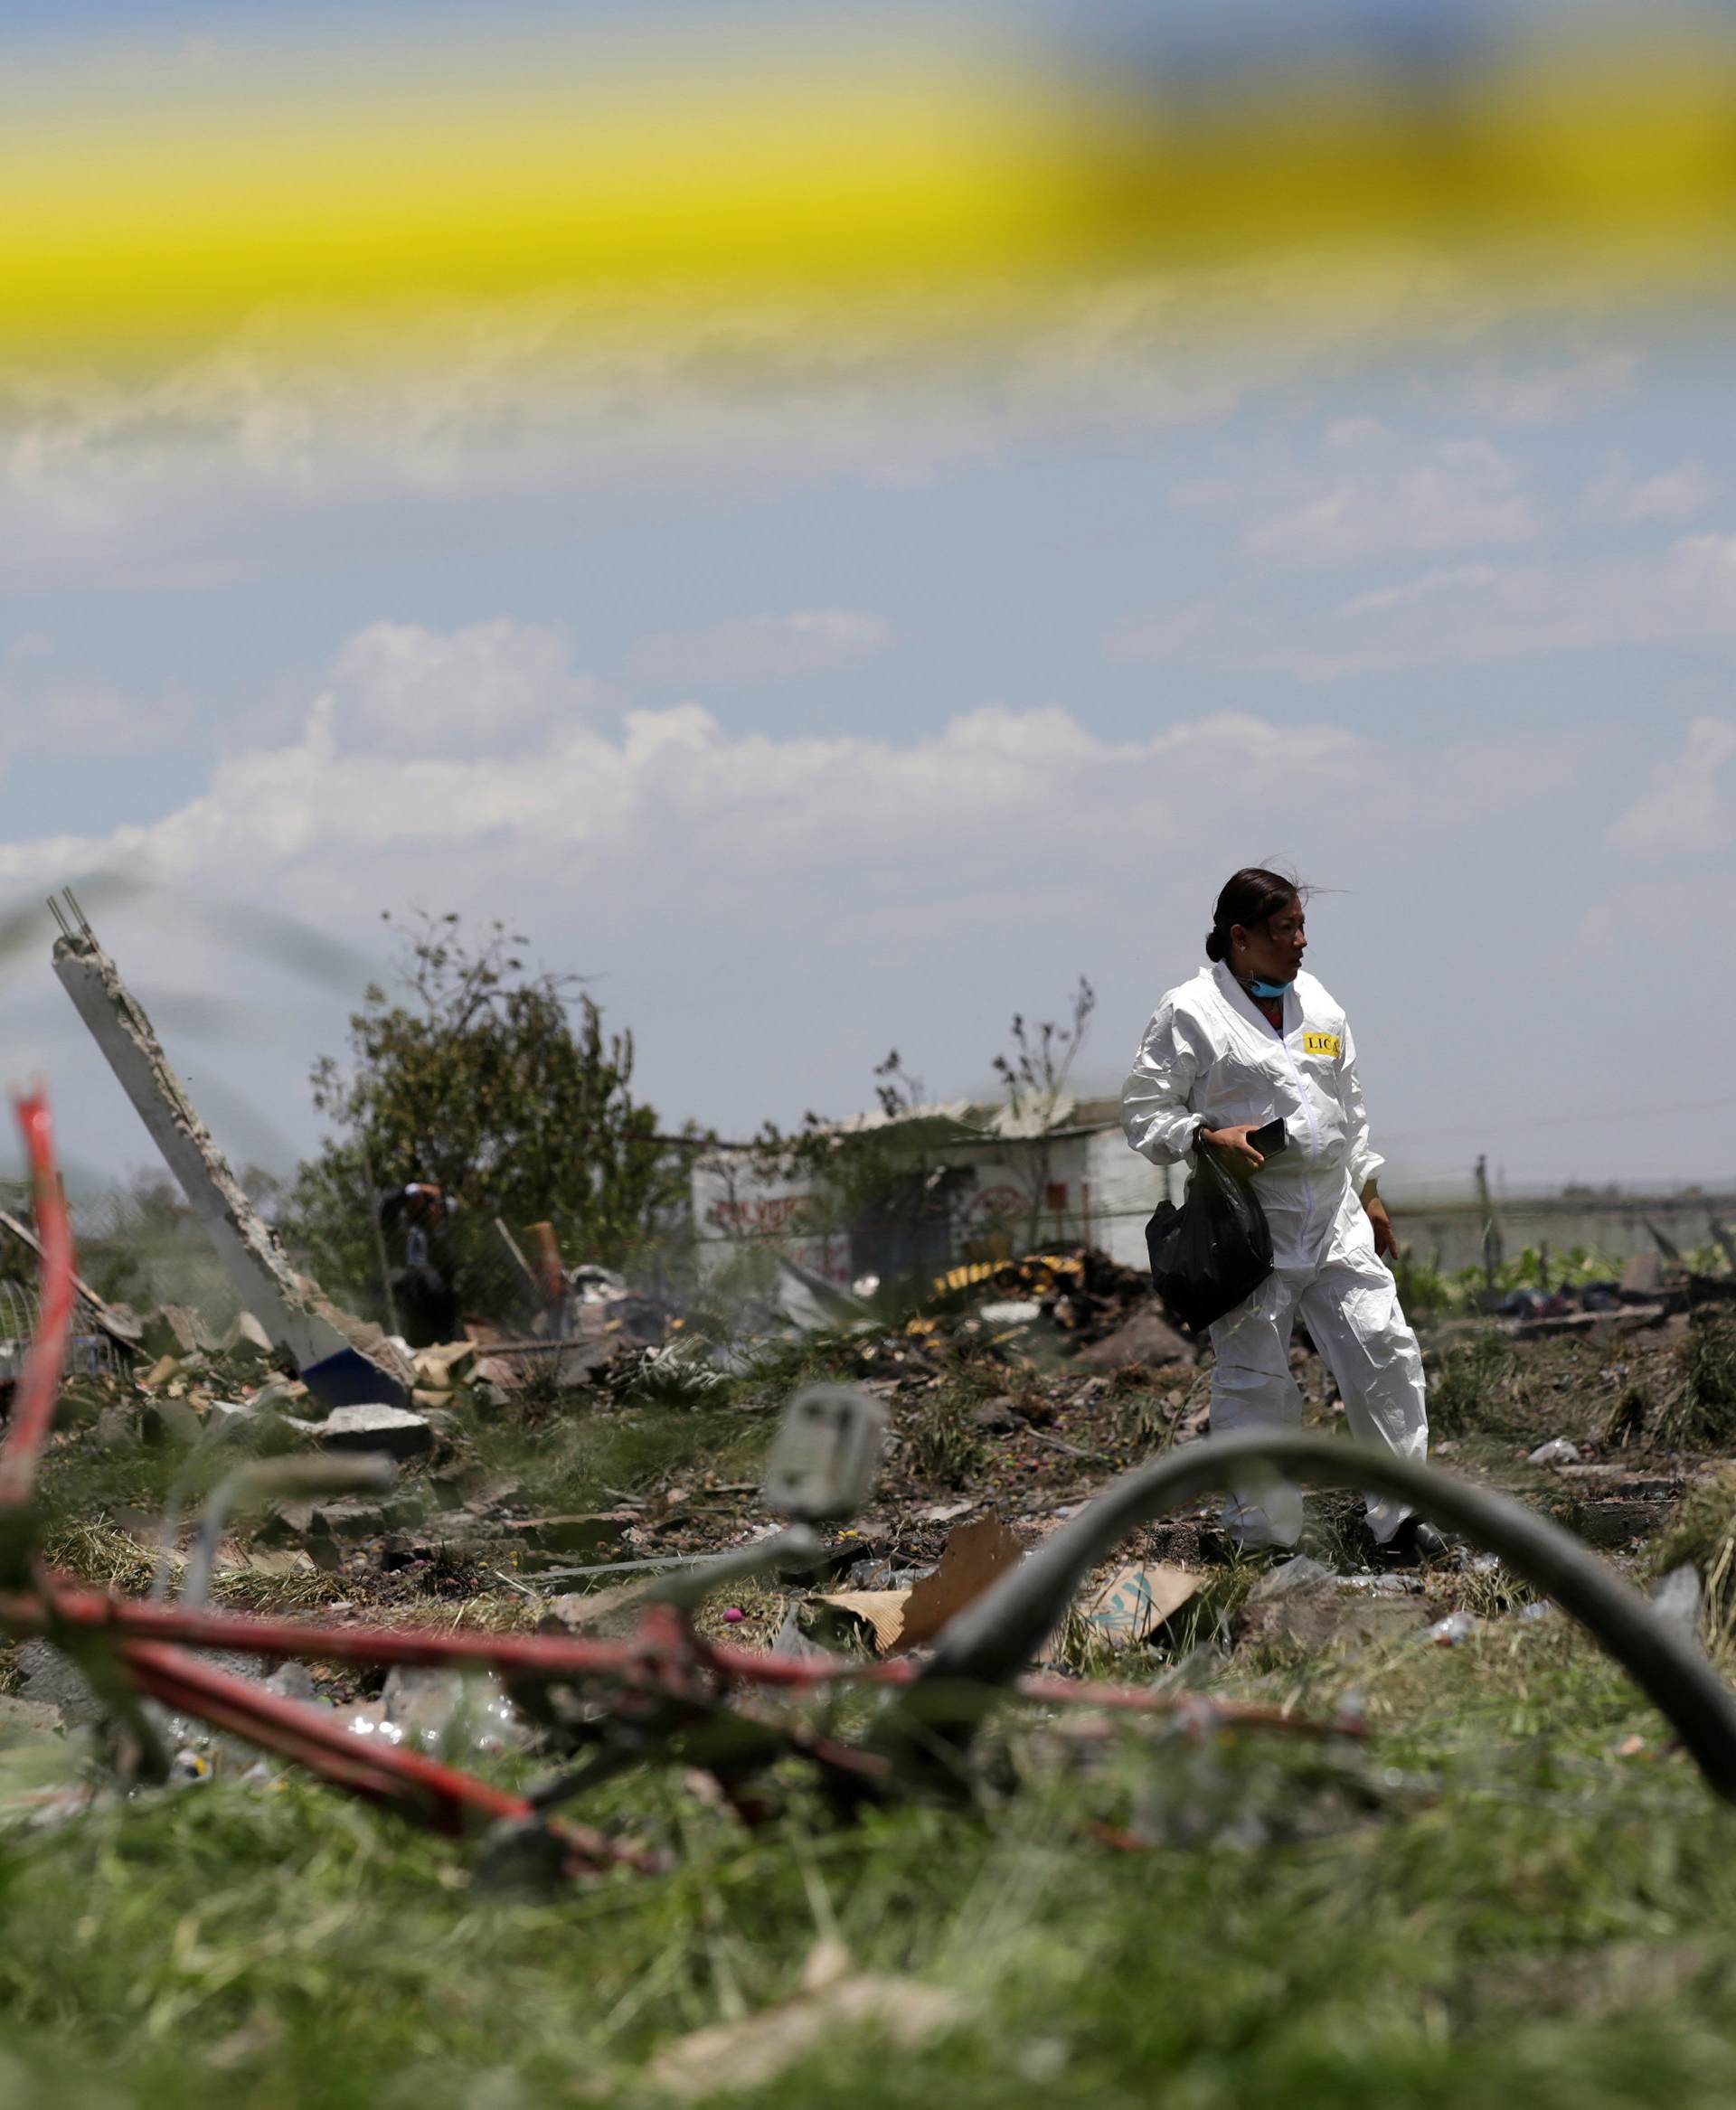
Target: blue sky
x=813, y=704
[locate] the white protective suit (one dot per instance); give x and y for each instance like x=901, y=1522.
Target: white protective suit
x=1211, y=1056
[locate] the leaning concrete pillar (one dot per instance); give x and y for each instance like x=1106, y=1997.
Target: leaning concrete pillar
x=342, y=1360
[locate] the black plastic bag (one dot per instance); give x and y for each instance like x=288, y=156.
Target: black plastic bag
x=1213, y=1251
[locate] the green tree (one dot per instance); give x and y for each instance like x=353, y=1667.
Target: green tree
x=502, y=1087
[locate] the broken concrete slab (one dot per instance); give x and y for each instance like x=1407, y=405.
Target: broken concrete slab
x=187, y=1329
x=355, y=1517
x=244, y=1331
x=117, y=1429
x=275, y=1560
x=341, y=1361
x=242, y=1421
x=394, y=1430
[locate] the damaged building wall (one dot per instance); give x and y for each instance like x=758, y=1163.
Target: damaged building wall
x=969, y=1195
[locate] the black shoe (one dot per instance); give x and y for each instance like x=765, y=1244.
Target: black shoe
x=1417, y=1542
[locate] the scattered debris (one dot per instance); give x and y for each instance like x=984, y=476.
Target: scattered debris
x=1302, y=1604
x=1135, y=1601
x=1145, y=1338
x=975, y=1555
x=881, y=1612
x=1677, y=1598
x=903, y=1619
x=394, y=1430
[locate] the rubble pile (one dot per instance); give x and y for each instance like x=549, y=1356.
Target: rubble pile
x=1080, y=1292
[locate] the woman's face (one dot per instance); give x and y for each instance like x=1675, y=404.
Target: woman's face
x=1271, y=951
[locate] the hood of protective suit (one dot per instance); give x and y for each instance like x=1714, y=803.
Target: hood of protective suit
x=1211, y=1054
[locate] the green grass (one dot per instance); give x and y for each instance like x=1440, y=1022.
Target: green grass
x=1702, y=1413
x=1463, y=1900
x=1452, y=1913
x=586, y=1461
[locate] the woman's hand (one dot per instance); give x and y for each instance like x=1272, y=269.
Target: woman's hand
x=1233, y=1144
x=1386, y=1244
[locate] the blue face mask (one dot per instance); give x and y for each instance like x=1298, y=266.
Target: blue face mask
x=1269, y=990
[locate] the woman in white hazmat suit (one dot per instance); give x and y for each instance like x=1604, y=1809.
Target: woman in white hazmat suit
x=1249, y=1040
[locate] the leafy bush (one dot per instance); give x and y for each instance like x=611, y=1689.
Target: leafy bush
x=500, y=1087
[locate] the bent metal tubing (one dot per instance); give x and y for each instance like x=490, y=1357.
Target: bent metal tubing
x=39, y=1383
x=552, y=1660
x=992, y=1638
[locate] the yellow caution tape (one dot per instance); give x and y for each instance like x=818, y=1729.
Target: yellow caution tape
x=146, y=212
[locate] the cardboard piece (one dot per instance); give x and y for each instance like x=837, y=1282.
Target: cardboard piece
x=905, y=1619
x=880, y=1611
x=975, y=1555
x=1135, y=1601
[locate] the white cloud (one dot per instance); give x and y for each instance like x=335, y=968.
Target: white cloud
x=1463, y=493
x=662, y=845
x=1547, y=393
x=666, y=813
x=256, y=451
x=1685, y=810
x=1459, y=615
x=756, y=649
x=213, y=472
x=49, y=711
x=1671, y=495
x=404, y=690
x=1375, y=493
x=1647, y=924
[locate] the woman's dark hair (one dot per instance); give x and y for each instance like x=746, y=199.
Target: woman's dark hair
x=1251, y=896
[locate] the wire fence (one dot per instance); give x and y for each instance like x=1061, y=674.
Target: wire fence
x=143, y=1248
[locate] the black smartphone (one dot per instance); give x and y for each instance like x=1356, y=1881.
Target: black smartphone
x=1269, y=1140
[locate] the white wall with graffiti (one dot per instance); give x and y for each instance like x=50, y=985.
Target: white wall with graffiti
x=971, y=1198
